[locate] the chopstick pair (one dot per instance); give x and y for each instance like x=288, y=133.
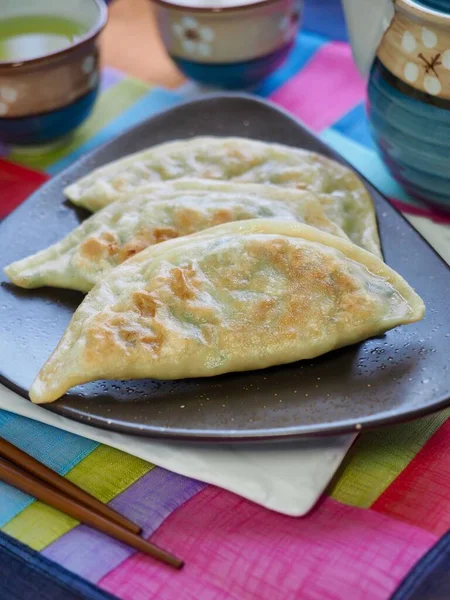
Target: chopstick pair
x=32, y=477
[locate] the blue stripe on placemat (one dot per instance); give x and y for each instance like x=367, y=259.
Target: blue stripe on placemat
x=58, y=449
x=27, y=575
x=325, y=17
x=356, y=126
x=306, y=45
x=430, y=578
x=155, y=101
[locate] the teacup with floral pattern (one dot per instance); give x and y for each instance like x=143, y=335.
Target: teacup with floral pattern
x=409, y=99
x=232, y=45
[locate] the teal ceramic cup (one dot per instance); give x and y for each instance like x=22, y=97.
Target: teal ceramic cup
x=409, y=99
x=46, y=95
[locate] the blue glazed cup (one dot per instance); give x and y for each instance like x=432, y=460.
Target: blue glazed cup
x=47, y=97
x=409, y=99
x=440, y=5
x=234, y=46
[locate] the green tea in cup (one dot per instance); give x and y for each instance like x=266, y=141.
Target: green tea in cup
x=49, y=69
x=28, y=37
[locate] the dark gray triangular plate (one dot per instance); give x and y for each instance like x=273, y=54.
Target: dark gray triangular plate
x=393, y=378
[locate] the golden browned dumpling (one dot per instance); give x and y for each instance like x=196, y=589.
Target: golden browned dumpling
x=245, y=295
x=341, y=192
x=168, y=210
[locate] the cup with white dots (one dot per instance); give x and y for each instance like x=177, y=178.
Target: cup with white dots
x=409, y=99
x=49, y=67
x=231, y=44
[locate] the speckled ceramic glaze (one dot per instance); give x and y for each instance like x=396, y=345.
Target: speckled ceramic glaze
x=236, y=46
x=409, y=99
x=387, y=379
x=47, y=97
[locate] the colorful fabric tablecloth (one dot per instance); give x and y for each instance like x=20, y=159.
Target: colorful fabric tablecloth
x=386, y=508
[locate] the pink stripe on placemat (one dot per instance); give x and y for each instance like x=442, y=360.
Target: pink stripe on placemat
x=430, y=213
x=325, y=89
x=16, y=184
x=420, y=494
x=147, y=502
x=236, y=549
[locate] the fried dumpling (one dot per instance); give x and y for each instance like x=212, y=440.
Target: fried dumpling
x=341, y=192
x=240, y=296
x=124, y=228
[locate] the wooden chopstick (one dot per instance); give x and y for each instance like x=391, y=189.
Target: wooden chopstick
x=40, y=471
x=14, y=475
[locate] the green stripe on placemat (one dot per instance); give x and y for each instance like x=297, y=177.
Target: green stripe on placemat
x=111, y=103
x=378, y=457
x=105, y=473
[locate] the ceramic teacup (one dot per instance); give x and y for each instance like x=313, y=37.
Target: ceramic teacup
x=229, y=44
x=409, y=100
x=45, y=97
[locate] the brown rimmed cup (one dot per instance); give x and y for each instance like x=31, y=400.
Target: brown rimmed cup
x=233, y=46
x=46, y=97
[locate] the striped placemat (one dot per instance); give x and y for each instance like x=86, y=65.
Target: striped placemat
x=389, y=503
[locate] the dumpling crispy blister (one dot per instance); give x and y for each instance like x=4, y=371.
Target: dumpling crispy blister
x=164, y=211
x=241, y=296
x=238, y=159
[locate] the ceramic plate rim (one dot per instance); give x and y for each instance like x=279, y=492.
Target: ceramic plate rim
x=345, y=426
